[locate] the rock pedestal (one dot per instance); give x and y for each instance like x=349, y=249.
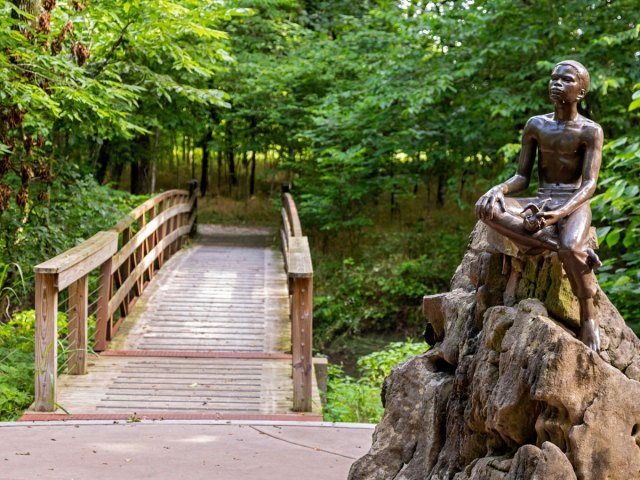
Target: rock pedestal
x=507, y=392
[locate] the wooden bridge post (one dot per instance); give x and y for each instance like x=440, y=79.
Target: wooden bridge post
x=300, y=273
x=301, y=339
x=78, y=342
x=46, y=341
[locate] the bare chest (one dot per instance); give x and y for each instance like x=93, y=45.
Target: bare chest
x=563, y=141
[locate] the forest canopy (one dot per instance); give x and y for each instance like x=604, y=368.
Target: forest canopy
x=357, y=103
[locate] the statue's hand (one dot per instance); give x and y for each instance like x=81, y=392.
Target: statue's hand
x=551, y=217
x=486, y=203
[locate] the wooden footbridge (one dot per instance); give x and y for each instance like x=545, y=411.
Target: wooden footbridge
x=138, y=323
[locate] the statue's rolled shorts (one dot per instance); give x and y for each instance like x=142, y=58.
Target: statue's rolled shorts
x=569, y=237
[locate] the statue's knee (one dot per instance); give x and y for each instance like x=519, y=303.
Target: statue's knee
x=570, y=251
x=586, y=290
x=496, y=213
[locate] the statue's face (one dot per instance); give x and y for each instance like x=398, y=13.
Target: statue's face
x=565, y=85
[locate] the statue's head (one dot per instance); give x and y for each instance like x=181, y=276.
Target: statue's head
x=569, y=81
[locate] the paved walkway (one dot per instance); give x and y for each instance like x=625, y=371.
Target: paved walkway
x=179, y=449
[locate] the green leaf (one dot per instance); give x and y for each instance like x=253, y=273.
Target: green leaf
x=602, y=233
x=629, y=238
x=613, y=237
x=623, y=280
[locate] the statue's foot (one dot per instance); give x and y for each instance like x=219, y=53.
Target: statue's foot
x=593, y=261
x=590, y=334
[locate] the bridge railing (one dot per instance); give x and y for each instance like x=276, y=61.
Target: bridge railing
x=297, y=260
x=126, y=257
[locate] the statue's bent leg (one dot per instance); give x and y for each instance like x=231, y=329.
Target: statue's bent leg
x=574, y=254
x=510, y=224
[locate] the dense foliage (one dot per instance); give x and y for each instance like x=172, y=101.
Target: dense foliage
x=388, y=117
x=84, y=86
x=379, y=288
x=358, y=400
x=617, y=208
x=17, y=350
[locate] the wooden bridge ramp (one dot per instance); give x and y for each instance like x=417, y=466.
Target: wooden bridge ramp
x=210, y=337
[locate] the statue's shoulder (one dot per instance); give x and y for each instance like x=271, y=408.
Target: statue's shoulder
x=590, y=128
x=587, y=123
x=535, y=123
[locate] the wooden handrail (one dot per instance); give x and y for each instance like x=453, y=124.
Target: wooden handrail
x=143, y=208
x=292, y=214
x=297, y=261
x=80, y=260
x=147, y=236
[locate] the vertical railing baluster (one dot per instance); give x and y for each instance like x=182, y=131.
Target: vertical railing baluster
x=78, y=303
x=103, y=319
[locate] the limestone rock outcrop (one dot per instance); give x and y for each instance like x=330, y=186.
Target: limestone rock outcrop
x=507, y=392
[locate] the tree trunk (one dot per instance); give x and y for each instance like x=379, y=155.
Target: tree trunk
x=252, y=182
x=32, y=7
x=233, y=178
x=103, y=162
x=245, y=164
x=192, y=158
x=204, y=174
x=441, y=191
x=140, y=168
x=219, y=172
x=154, y=161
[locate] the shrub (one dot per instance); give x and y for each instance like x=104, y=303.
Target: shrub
x=17, y=360
x=358, y=400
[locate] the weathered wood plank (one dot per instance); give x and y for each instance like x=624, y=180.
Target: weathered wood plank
x=103, y=318
x=147, y=230
x=135, y=274
x=78, y=328
x=78, y=261
x=221, y=301
x=301, y=333
x=299, y=265
x=134, y=214
x=286, y=228
x=46, y=342
x=292, y=214
x=258, y=386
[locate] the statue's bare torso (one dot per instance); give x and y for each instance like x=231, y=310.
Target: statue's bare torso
x=561, y=149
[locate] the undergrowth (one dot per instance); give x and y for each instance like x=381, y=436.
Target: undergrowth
x=377, y=287
x=257, y=210
x=17, y=360
x=358, y=400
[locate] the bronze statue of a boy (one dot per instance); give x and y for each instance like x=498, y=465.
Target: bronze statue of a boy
x=569, y=148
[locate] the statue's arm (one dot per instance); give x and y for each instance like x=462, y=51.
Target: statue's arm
x=517, y=183
x=520, y=181
x=590, y=171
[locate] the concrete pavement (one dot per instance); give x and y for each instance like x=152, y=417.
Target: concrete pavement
x=220, y=450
